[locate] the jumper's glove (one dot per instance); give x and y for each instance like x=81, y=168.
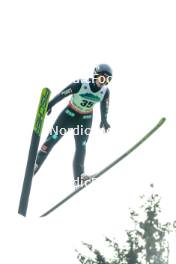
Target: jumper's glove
x=49, y=109
x=104, y=124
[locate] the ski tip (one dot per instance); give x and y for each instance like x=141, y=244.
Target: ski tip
x=162, y=120
x=46, y=89
x=42, y=215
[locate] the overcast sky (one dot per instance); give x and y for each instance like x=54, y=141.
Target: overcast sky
x=50, y=44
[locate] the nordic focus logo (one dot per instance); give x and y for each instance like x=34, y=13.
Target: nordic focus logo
x=79, y=130
x=102, y=79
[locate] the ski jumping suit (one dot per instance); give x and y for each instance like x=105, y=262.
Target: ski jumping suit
x=78, y=114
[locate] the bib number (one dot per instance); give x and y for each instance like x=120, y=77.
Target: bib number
x=86, y=103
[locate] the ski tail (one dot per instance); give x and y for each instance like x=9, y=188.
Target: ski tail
x=35, y=139
x=100, y=173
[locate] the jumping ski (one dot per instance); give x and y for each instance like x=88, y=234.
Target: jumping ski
x=100, y=173
x=38, y=125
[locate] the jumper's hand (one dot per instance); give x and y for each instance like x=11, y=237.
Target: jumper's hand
x=105, y=125
x=49, y=110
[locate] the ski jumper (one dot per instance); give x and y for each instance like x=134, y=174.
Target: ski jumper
x=78, y=115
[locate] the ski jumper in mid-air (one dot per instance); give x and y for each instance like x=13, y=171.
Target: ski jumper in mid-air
x=78, y=115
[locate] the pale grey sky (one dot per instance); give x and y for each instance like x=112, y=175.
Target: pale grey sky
x=51, y=43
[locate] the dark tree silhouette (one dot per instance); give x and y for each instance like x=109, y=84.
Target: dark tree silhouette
x=147, y=243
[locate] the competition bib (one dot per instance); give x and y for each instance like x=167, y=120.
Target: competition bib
x=85, y=99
